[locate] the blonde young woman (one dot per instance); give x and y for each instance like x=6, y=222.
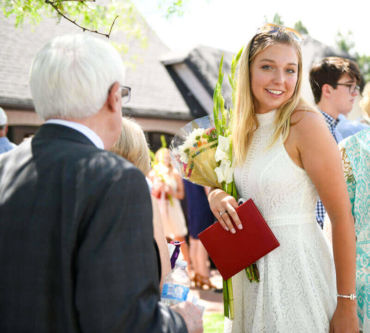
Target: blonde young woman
x=285, y=158
x=133, y=146
x=365, y=105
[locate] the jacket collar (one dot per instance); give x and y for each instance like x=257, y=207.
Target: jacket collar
x=59, y=132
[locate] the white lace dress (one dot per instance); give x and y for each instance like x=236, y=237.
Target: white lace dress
x=297, y=289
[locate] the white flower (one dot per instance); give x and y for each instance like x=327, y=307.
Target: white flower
x=184, y=157
x=223, y=149
x=225, y=172
x=189, y=143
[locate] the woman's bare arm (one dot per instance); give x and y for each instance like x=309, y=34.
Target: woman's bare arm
x=180, y=192
x=161, y=241
x=321, y=159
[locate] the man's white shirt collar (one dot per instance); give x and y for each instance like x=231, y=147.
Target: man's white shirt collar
x=90, y=134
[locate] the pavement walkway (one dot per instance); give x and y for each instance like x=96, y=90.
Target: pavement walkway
x=211, y=300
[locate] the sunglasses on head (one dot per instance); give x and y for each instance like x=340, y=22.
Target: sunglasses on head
x=270, y=29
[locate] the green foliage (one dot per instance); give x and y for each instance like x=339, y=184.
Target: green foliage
x=276, y=20
x=232, y=76
x=173, y=8
x=163, y=141
x=364, y=64
x=153, y=159
x=300, y=28
x=87, y=14
x=345, y=42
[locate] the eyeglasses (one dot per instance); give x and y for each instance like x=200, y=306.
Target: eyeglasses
x=351, y=87
x=270, y=28
x=125, y=94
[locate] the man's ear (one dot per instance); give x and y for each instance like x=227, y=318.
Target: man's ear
x=326, y=90
x=113, y=99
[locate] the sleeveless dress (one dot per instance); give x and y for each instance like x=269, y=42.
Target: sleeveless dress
x=297, y=289
x=173, y=218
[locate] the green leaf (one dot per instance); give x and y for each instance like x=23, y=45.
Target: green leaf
x=163, y=141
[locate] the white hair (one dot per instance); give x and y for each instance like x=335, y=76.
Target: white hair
x=70, y=76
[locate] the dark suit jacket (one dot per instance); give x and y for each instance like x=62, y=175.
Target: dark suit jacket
x=76, y=241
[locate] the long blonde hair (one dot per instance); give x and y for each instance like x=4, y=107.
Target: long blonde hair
x=365, y=101
x=132, y=145
x=245, y=120
x=159, y=155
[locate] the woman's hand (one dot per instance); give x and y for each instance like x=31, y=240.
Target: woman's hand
x=345, y=318
x=220, y=201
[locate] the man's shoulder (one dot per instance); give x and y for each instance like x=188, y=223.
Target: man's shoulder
x=107, y=167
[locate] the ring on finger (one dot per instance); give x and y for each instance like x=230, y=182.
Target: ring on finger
x=223, y=212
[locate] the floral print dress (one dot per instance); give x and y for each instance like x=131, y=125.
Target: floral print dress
x=356, y=164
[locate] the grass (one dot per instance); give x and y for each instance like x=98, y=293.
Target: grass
x=213, y=323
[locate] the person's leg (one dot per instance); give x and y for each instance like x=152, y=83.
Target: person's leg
x=193, y=254
x=202, y=256
x=202, y=271
x=184, y=248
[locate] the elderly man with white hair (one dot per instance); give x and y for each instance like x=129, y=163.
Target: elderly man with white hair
x=77, y=252
x=5, y=144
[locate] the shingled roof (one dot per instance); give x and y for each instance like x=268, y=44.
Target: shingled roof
x=204, y=62
x=158, y=90
x=154, y=93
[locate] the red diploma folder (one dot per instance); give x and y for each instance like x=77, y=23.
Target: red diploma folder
x=231, y=253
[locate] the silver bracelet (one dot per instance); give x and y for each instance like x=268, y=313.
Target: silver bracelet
x=352, y=297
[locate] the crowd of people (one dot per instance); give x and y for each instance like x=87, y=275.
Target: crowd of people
x=85, y=219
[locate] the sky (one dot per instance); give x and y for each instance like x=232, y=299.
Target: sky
x=229, y=24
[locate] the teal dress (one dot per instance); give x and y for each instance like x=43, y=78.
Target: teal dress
x=356, y=164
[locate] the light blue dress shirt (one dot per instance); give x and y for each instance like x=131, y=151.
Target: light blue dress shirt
x=6, y=145
x=348, y=127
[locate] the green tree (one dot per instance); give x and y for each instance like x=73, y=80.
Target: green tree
x=345, y=42
x=100, y=17
x=276, y=20
x=300, y=28
x=172, y=7
x=364, y=64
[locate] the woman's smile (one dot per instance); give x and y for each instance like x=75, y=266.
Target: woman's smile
x=275, y=93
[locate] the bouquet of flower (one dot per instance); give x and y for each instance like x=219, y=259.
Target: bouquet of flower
x=202, y=153
x=193, y=151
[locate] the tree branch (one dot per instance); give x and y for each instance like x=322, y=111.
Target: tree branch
x=56, y=1
x=80, y=1
x=52, y=3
